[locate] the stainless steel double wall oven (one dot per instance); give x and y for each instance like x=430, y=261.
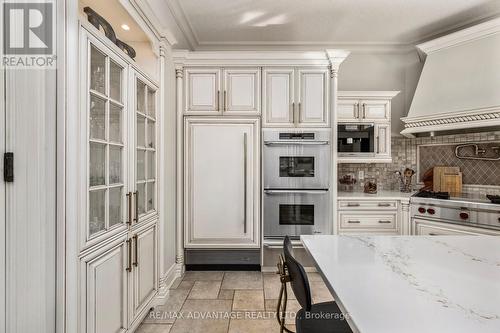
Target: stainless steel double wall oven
x=296, y=167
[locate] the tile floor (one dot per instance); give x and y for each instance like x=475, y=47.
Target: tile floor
x=226, y=302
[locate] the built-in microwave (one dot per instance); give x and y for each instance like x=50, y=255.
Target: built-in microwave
x=356, y=139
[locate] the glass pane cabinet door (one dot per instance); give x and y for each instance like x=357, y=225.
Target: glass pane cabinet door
x=106, y=150
x=145, y=148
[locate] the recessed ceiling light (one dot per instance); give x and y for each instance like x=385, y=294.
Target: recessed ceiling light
x=125, y=27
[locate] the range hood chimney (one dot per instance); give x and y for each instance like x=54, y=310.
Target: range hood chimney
x=459, y=88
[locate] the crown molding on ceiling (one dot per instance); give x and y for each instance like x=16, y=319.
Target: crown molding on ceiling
x=194, y=43
x=183, y=23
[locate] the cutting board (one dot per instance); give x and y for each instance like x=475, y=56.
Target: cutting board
x=451, y=183
x=447, y=179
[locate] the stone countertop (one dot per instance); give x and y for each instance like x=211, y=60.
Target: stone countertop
x=412, y=283
x=389, y=195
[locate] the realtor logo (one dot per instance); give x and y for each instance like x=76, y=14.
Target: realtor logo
x=28, y=34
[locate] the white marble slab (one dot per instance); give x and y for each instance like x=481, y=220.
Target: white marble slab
x=409, y=284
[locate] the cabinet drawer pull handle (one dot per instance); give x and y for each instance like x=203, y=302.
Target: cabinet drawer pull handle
x=364, y=111
x=129, y=255
x=384, y=221
x=225, y=100
x=351, y=221
x=217, y=102
x=129, y=202
x=136, y=219
x=384, y=205
x=350, y=204
x=433, y=234
x=136, y=261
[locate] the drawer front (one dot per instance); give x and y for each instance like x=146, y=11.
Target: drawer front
x=427, y=230
x=368, y=221
x=361, y=205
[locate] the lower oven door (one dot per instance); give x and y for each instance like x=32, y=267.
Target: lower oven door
x=296, y=212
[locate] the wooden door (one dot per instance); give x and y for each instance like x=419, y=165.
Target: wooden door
x=104, y=288
x=203, y=91
x=348, y=110
x=375, y=110
x=144, y=269
x=313, y=97
x=222, y=183
x=241, y=95
x=383, y=140
x=278, y=96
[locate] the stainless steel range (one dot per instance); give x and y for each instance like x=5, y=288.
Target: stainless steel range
x=465, y=209
x=296, y=168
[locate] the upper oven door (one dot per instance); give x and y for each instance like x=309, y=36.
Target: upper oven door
x=297, y=163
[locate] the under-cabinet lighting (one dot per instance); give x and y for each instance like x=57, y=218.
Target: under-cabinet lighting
x=125, y=27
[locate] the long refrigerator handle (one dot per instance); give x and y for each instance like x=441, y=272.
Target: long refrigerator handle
x=245, y=151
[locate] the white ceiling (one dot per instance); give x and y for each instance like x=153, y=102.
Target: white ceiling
x=259, y=23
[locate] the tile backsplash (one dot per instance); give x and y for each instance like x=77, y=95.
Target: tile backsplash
x=420, y=154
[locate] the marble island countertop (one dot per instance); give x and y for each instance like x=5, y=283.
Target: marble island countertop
x=413, y=284
x=388, y=195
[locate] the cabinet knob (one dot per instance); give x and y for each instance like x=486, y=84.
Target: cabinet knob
x=421, y=210
x=431, y=211
x=464, y=216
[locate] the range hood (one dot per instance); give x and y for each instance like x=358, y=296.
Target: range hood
x=459, y=88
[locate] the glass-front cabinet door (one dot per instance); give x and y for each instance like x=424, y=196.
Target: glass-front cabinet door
x=146, y=152
x=106, y=117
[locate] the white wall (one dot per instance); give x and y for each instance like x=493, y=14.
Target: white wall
x=383, y=71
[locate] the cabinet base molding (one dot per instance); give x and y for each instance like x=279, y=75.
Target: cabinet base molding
x=166, y=282
x=222, y=267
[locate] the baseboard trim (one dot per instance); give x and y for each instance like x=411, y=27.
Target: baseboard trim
x=166, y=282
x=222, y=267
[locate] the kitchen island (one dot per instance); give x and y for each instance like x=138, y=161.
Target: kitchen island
x=408, y=284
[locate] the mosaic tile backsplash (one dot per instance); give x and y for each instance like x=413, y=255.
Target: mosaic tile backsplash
x=478, y=176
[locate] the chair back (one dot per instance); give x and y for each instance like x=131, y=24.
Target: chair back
x=298, y=277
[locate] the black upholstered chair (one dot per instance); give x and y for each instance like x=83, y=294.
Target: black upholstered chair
x=312, y=318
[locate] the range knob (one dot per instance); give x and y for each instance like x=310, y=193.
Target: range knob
x=421, y=210
x=464, y=216
x=431, y=211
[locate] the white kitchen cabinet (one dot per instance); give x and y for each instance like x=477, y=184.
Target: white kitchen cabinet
x=222, y=181
x=422, y=227
x=375, y=110
x=295, y=97
x=383, y=140
x=313, y=97
x=278, y=96
x=203, y=91
x=241, y=91
x=368, y=107
x=348, y=110
x=119, y=144
x=143, y=277
x=374, y=216
x=104, y=289
x=219, y=91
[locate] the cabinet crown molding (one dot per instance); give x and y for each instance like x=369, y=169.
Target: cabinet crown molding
x=259, y=58
x=475, y=32
x=389, y=94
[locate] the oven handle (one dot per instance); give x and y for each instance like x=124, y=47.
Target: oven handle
x=321, y=191
x=298, y=143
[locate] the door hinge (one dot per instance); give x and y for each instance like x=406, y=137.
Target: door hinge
x=8, y=167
